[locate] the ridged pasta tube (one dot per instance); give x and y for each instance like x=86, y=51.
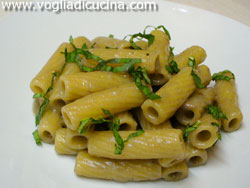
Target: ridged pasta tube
x=111, y=43
x=195, y=156
x=168, y=162
x=78, y=85
x=176, y=172
x=161, y=46
x=152, y=144
x=173, y=94
x=127, y=122
x=206, y=134
x=227, y=100
x=117, y=170
x=148, y=58
x=60, y=143
x=51, y=121
x=197, y=52
x=193, y=108
x=57, y=95
x=42, y=80
x=116, y=99
x=146, y=125
x=76, y=141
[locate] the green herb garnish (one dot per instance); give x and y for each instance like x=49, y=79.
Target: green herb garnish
x=221, y=76
x=140, y=36
x=172, y=66
x=86, y=124
x=196, y=78
x=44, y=95
x=42, y=107
x=159, y=27
x=111, y=36
x=139, y=75
x=165, y=30
x=71, y=41
x=114, y=125
x=189, y=129
x=36, y=137
x=216, y=112
x=92, y=46
x=219, y=128
x=192, y=62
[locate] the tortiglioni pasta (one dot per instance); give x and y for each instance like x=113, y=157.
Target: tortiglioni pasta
x=132, y=110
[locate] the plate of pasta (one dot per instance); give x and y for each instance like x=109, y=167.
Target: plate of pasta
x=159, y=101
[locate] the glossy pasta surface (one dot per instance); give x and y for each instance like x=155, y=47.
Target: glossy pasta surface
x=132, y=110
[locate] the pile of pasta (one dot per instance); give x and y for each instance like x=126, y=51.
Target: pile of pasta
x=177, y=128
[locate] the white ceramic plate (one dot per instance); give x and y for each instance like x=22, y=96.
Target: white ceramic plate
x=29, y=38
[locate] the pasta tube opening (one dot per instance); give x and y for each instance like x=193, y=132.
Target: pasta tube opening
x=46, y=136
x=195, y=160
x=79, y=141
x=186, y=115
x=157, y=79
x=66, y=118
x=176, y=172
x=204, y=135
x=173, y=95
x=152, y=112
x=195, y=156
x=233, y=123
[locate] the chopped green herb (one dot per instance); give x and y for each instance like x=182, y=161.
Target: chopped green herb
x=42, y=107
x=71, y=40
x=221, y=76
x=140, y=36
x=114, y=125
x=171, y=53
x=192, y=62
x=197, y=80
x=84, y=46
x=158, y=27
x=219, y=136
x=123, y=68
x=83, y=124
x=172, y=67
x=43, y=95
x=140, y=74
x=135, y=134
x=215, y=124
x=128, y=65
x=189, y=129
x=216, y=112
x=219, y=128
x=36, y=137
x=111, y=36
x=106, y=112
x=120, y=143
x=145, y=76
x=165, y=30
x=92, y=46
